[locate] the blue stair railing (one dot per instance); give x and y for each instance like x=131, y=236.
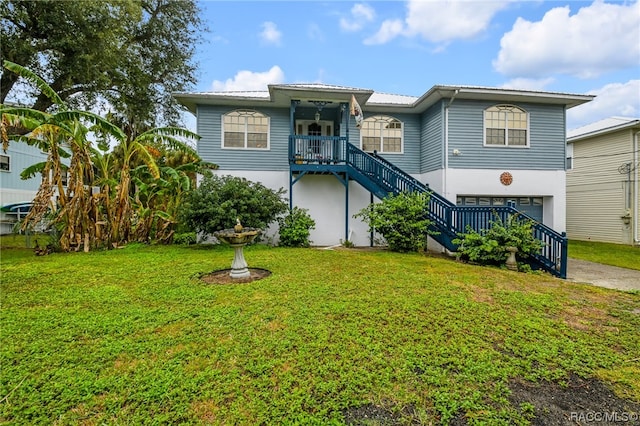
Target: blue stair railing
x=382, y=178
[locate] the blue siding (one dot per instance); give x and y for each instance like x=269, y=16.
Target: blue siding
x=547, y=138
x=432, y=134
x=209, y=147
x=423, y=139
x=409, y=161
x=22, y=156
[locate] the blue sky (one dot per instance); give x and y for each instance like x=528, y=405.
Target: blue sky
x=406, y=47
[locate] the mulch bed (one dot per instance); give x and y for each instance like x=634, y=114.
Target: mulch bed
x=222, y=276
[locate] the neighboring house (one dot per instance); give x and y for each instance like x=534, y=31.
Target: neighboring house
x=15, y=193
x=477, y=148
x=603, y=197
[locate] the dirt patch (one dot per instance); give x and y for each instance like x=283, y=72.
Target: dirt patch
x=371, y=414
x=222, y=276
x=580, y=402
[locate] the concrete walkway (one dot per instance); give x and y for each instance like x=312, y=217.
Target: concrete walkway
x=601, y=275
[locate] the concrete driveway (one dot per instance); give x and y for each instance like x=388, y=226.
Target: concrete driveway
x=601, y=275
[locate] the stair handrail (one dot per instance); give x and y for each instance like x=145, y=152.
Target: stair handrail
x=445, y=215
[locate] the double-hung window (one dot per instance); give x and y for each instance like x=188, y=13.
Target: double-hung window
x=381, y=133
x=245, y=129
x=506, y=125
x=569, y=151
x=5, y=163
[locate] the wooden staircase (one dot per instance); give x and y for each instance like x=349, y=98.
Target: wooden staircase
x=382, y=178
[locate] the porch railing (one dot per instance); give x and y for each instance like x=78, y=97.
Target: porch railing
x=382, y=178
x=317, y=149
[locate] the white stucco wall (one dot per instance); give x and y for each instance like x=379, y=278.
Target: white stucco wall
x=324, y=197
x=549, y=184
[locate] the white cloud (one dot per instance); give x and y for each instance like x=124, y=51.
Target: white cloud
x=599, y=38
x=360, y=15
x=248, y=80
x=270, y=34
x=440, y=21
x=615, y=99
x=388, y=31
x=528, y=83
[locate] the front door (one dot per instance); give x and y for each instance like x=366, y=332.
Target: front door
x=312, y=128
x=320, y=148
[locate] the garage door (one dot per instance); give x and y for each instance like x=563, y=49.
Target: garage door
x=531, y=206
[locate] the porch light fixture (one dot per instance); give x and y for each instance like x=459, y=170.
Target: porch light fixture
x=319, y=105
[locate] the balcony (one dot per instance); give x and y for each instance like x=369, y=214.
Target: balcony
x=317, y=152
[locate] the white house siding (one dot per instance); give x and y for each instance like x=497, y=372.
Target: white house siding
x=13, y=189
x=14, y=196
x=596, y=191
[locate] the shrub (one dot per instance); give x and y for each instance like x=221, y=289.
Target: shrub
x=347, y=243
x=185, y=238
x=488, y=247
x=219, y=200
x=295, y=228
x=401, y=219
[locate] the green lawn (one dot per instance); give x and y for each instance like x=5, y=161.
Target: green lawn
x=625, y=256
x=132, y=336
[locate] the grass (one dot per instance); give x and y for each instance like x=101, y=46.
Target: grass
x=132, y=336
x=624, y=256
x=23, y=241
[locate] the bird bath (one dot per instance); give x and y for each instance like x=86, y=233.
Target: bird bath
x=238, y=237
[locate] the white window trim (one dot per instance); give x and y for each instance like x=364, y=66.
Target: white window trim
x=569, y=155
x=245, y=148
x=9, y=158
x=506, y=145
x=382, y=144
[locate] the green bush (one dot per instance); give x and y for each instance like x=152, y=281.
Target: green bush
x=185, y=238
x=219, y=200
x=488, y=247
x=295, y=228
x=401, y=219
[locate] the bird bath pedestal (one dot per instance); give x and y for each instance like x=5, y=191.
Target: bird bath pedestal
x=512, y=263
x=238, y=237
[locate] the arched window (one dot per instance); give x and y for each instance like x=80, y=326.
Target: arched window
x=381, y=133
x=245, y=129
x=506, y=125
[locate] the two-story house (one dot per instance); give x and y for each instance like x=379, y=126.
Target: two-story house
x=476, y=149
x=603, y=195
